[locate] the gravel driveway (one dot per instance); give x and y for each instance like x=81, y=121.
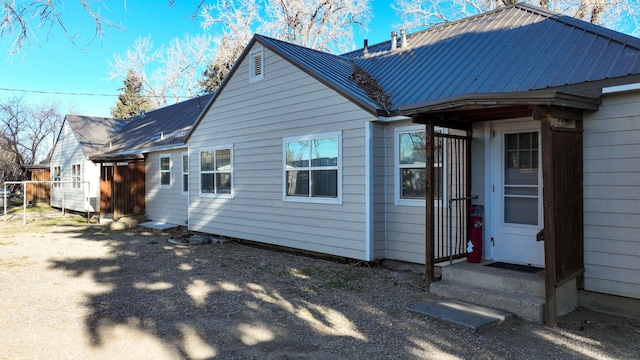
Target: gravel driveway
x=75, y=291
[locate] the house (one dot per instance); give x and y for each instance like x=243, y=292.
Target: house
x=530, y=114
x=76, y=178
x=144, y=164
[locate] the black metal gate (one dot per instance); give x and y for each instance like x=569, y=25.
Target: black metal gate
x=452, y=186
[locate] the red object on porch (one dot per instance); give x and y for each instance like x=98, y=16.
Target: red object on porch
x=474, y=246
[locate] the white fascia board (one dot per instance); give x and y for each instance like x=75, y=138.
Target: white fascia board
x=388, y=119
x=163, y=148
x=621, y=88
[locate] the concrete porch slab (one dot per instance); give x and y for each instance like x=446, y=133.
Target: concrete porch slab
x=471, y=316
x=156, y=225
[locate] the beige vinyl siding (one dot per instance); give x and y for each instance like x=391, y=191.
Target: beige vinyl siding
x=612, y=196
x=167, y=203
x=404, y=224
x=405, y=227
x=67, y=153
x=254, y=118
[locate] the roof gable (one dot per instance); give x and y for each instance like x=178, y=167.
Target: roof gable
x=158, y=129
x=93, y=132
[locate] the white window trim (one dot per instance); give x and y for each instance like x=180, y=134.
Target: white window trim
x=165, y=186
x=56, y=179
x=182, y=155
x=76, y=178
x=216, y=195
x=398, y=200
x=309, y=199
x=253, y=77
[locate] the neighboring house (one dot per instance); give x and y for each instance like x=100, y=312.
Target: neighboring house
x=532, y=113
x=76, y=178
x=143, y=166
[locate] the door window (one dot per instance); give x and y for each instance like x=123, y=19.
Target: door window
x=521, y=180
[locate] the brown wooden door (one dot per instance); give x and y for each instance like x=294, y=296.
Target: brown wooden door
x=106, y=190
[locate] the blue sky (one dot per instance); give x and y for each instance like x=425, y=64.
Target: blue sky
x=54, y=65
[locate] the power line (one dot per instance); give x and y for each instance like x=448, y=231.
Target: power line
x=83, y=94
x=55, y=92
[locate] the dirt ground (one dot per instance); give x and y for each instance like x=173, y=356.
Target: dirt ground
x=71, y=290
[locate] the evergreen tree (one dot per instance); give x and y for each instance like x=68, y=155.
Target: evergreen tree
x=131, y=101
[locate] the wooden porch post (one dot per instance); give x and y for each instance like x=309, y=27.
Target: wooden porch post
x=550, y=307
x=115, y=201
x=562, y=180
x=430, y=210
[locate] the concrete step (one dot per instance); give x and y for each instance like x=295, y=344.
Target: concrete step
x=465, y=314
x=530, y=308
x=493, y=279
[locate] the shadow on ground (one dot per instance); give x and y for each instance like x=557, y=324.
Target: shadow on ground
x=236, y=301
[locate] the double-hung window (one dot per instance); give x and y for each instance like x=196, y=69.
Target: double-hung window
x=411, y=162
x=165, y=171
x=57, y=176
x=185, y=173
x=312, y=168
x=76, y=176
x=216, y=171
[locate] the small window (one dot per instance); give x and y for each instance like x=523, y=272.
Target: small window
x=256, y=72
x=76, y=176
x=312, y=168
x=165, y=171
x=411, y=162
x=216, y=171
x=185, y=173
x=57, y=176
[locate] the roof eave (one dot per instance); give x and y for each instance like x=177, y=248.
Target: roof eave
x=487, y=100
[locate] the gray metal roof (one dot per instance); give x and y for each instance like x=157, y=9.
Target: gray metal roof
x=513, y=49
x=155, y=130
x=93, y=132
x=518, y=48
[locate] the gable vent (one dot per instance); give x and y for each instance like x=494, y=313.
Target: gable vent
x=257, y=66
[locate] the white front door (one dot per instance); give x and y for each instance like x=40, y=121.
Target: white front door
x=516, y=194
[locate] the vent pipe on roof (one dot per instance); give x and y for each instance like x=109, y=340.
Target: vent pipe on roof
x=403, y=38
x=141, y=114
x=394, y=41
x=366, y=46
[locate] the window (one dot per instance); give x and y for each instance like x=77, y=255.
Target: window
x=185, y=173
x=75, y=176
x=57, y=176
x=216, y=171
x=256, y=63
x=165, y=171
x=411, y=162
x=312, y=168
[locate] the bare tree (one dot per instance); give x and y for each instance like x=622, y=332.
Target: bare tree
x=168, y=72
x=621, y=15
x=320, y=24
x=22, y=19
x=234, y=23
x=326, y=25
x=28, y=130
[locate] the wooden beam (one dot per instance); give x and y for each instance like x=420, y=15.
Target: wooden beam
x=540, y=112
